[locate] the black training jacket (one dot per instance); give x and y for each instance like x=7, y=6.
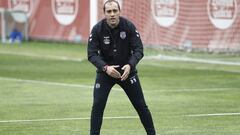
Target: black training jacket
x=119, y=46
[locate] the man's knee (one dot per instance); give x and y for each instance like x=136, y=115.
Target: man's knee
x=98, y=106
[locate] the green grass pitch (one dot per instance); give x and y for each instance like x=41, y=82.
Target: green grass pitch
x=46, y=89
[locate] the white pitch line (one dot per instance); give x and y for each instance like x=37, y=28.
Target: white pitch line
x=196, y=68
x=46, y=82
x=65, y=119
x=187, y=59
x=50, y=83
x=116, y=89
x=214, y=114
x=120, y=117
x=43, y=56
x=195, y=90
x=157, y=57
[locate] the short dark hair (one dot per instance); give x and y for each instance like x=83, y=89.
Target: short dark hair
x=108, y=2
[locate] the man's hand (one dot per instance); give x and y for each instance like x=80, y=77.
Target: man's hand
x=111, y=71
x=126, y=72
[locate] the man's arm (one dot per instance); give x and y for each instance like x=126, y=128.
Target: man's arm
x=136, y=46
x=94, y=50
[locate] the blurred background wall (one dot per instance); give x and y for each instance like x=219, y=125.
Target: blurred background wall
x=210, y=25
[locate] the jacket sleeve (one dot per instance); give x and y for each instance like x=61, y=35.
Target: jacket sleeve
x=94, y=50
x=136, y=46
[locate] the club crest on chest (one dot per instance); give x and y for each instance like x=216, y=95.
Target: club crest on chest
x=106, y=40
x=123, y=34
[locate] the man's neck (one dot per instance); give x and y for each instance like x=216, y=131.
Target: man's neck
x=112, y=26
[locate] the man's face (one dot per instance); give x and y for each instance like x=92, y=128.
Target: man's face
x=112, y=14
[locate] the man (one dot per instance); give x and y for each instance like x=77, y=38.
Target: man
x=15, y=36
x=115, y=48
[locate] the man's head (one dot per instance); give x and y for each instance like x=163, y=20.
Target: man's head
x=111, y=11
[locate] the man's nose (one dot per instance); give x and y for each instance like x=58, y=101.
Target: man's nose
x=112, y=13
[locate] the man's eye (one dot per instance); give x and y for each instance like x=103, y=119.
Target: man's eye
x=110, y=11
